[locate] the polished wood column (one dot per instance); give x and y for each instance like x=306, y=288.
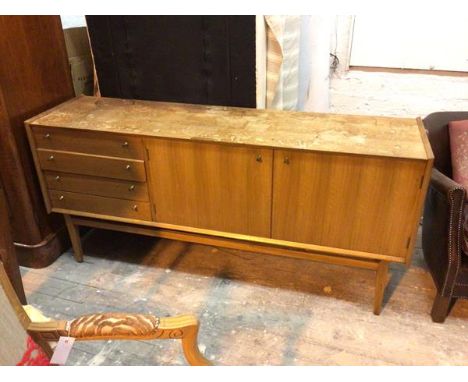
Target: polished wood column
x=34, y=76
x=7, y=249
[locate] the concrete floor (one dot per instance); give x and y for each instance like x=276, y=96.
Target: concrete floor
x=263, y=310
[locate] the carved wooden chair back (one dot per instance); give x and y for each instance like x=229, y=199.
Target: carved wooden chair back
x=100, y=326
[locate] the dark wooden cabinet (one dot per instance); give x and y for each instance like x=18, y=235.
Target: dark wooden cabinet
x=34, y=76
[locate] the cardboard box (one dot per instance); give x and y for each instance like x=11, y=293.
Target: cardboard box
x=80, y=59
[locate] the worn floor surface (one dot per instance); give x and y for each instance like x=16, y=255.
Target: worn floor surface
x=254, y=309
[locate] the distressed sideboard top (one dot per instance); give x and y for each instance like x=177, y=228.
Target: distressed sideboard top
x=365, y=135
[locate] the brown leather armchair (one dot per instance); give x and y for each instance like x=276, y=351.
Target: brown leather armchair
x=443, y=220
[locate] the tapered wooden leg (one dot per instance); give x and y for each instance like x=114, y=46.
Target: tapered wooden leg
x=190, y=348
x=74, y=233
x=381, y=281
x=441, y=308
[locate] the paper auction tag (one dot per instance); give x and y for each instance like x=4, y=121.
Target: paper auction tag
x=62, y=350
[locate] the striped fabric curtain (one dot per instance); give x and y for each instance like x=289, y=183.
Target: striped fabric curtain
x=278, y=65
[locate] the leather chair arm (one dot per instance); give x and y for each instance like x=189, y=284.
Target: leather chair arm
x=442, y=230
x=447, y=186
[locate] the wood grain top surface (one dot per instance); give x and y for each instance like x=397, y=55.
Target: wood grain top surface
x=364, y=135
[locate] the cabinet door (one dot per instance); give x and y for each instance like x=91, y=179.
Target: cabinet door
x=360, y=203
x=211, y=186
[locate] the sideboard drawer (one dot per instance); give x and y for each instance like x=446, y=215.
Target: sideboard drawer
x=128, y=169
x=114, y=188
x=100, y=205
x=88, y=142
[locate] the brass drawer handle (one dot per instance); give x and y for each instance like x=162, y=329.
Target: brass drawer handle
x=128, y=167
x=61, y=197
x=125, y=144
x=47, y=135
x=51, y=158
x=286, y=160
x=57, y=178
x=131, y=188
x=259, y=158
x=135, y=207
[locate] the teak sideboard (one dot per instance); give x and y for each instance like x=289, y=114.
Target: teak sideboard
x=339, y=189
